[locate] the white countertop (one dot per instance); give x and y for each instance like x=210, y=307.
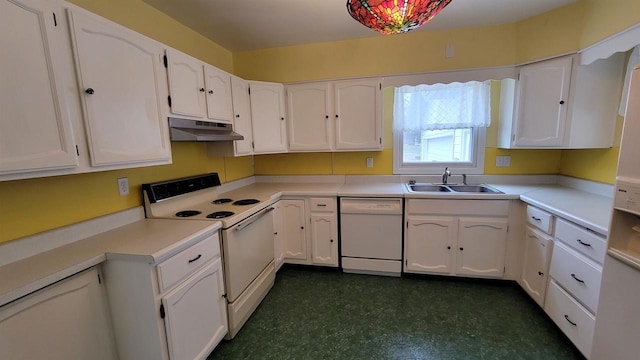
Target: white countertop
x=153, y=240
x=149, y=240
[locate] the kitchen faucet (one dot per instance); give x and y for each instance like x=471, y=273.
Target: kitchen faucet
x=445, y=175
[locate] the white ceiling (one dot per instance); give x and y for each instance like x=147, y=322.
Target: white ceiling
x=239, y=25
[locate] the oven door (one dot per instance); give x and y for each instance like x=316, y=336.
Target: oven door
x=248, y=249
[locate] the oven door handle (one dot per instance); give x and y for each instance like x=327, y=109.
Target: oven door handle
x=243, y=224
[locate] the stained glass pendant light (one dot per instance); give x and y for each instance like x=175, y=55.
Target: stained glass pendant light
x=394, y=16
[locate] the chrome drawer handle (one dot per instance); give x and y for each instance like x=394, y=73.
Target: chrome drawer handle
x=576, y=279
x=195, y=258
x=566, y=317
x=583, y=243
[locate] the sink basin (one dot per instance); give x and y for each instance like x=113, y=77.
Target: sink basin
x=474, y=189
x=477, y=189
x=429, y=188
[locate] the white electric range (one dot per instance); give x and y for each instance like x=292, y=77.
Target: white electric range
x=247, y=235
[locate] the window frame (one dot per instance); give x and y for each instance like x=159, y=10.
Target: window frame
x=475, y=167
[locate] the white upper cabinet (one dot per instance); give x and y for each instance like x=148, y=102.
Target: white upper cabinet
x=121, y=79
x=267, y=117
x=242, y=116
x=218, y=91
x=35, y=127
x=341, y=115
x=198, y=90
x=559, y=103
x=186, y=85
x=358, y=105
x=310, y=110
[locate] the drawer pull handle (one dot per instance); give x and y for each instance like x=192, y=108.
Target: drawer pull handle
x=583, y=243
x=566, y=317
x=321, y=205
x=536, y=219
x=576, y=279
x=195, y=258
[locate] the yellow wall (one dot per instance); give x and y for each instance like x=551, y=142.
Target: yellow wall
x=57, y=201
x=31, y=206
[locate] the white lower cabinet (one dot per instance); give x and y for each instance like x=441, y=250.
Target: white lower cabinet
x=306, y=230
x=444, y=237
x=535, y=271
x=179, y=308
x=66, y=320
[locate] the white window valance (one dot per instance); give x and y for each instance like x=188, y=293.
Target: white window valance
x=442, y=106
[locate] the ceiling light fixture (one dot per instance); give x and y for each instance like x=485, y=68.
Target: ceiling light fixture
x=394, y=16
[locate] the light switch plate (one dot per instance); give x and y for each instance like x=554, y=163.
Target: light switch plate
x=503, y=161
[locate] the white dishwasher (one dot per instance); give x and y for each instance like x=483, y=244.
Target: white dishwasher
x=371, y=235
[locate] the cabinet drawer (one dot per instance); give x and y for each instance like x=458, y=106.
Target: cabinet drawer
x=540, y=219
x=587, y=243
x=458, y=207
x=578, y=275
x=574, y=320
x=184, y=263
x=322, y=204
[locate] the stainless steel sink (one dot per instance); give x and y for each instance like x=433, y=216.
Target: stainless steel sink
x=429, y=188
x=474, y=189
x=453, y=188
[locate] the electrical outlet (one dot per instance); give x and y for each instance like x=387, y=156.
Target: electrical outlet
x=123, y=186
x=369, y=162
x=503, y=161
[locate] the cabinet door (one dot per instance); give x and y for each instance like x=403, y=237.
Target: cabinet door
x=429, y=244
x=242, y=116
x=535, y=276
x=196, y=314
x=35, y=126
x=278, y=241
x=358, y=105
x=122, y=80
x=309, y=109
x=67, y=320
x=293, y=232
x=542, y=103
x=186, y=84
x=324, y=239
x=267, y=117
x=218, y=92
x=481, y=246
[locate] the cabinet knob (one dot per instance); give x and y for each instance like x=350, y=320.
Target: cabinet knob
x=210, y=91
x=275, y=233
x=201, y=89
x=326, y=116
x=301, y=227
x=448, y=247
x=282, y=118
x=540, y=273
x=331, y=240
x=561, y=102
x=89, y=91
x=237, y=115
x=337, y=116
x=461, y=249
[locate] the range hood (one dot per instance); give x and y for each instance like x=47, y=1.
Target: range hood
x=193, y=130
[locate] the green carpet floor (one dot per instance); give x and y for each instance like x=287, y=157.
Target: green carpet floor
x=311, y=314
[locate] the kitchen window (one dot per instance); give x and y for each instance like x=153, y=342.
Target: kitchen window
x=441, y=125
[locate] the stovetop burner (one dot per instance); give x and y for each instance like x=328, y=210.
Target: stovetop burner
x=220, y=214
x=187, y=213
x=221, y=201
x=246, y=202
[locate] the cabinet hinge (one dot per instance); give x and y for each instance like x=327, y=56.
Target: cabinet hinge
x=169, y=100
x=55, y=21
x=99, y=279
x=162, y=313
x=165, y=61
x=77, y=151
